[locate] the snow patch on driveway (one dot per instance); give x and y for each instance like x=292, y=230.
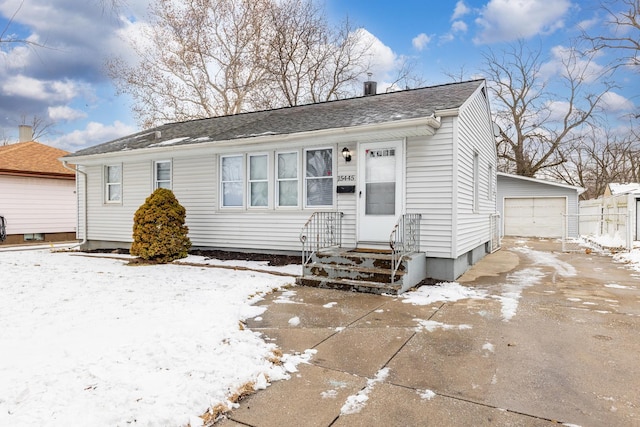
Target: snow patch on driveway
x=547, y=259
x=356, y=402
x=512, y=290
x=442, y=292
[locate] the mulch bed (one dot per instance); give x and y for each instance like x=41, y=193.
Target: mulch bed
x=273, y=260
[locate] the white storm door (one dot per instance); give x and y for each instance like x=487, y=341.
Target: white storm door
x=380, y=190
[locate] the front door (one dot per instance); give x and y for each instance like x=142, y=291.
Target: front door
x=380, y=190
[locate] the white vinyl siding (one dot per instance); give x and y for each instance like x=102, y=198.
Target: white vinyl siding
x=430, y=188
x=38, y=205
x=472, y=215
x=162, y=174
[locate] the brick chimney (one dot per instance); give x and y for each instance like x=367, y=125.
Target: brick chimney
x=25, y=133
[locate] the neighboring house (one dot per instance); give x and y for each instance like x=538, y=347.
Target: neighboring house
x=251, y=181
x=37, y=194
x=612, y=219
x=532, y=207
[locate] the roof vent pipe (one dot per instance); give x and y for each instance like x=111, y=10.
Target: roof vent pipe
x=25, y=133
x=370, y=87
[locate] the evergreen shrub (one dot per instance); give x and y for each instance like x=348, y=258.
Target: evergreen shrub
x=159, y=233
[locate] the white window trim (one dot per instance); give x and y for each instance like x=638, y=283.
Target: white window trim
x=107, y=184
x=155, y=174
x=277, y=180
x=242, y=181
x=249, y=181
x=333, y=177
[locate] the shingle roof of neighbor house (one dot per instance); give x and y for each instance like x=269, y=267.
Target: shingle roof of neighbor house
x=345, y=113
x=33, y=159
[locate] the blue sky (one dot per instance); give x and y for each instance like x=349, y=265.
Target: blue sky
x=65, y=82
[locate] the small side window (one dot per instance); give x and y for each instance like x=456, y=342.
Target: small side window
x=162, y=174
x=113, y=183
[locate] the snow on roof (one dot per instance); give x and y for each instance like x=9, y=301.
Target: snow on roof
x=624, y=188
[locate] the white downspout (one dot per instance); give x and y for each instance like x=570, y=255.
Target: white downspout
x=86, y=224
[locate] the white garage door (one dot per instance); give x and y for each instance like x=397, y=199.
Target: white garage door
x=534, y=216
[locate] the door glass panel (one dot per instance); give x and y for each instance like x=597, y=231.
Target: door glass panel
x=380, y=176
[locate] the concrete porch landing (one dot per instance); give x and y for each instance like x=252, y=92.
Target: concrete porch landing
x=363, y=270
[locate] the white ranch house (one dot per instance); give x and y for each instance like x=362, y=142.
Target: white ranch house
x=341, y=174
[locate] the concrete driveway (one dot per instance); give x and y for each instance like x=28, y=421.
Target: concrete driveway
x=541, y=338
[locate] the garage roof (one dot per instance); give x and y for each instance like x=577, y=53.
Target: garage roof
x=580, y=190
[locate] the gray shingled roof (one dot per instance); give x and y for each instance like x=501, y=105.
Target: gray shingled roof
x=365, y=110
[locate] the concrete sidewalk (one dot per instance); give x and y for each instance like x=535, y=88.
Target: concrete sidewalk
x=546, y=345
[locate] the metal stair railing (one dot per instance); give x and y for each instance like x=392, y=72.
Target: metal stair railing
x=3, y=229
x=322, y=230
x=404, y=239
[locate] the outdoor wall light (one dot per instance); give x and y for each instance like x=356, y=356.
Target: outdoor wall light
x=346, y=154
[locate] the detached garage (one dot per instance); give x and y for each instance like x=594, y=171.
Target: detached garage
x=532, y=207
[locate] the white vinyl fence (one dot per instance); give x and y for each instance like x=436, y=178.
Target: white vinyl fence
x=604, y=222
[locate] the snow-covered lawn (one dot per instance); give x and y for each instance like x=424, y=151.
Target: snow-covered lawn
x=89, y=341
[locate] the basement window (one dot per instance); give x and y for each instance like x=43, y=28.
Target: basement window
x=34, y=237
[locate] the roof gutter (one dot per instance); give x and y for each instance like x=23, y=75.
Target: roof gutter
x=84, y=210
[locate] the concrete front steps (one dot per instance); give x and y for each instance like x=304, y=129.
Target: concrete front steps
x=362, y=270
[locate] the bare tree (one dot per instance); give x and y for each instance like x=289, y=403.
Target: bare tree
x=598, y=158
x=624, y=37
x=203, y=58
x=196, y=59
x=6, y=38
x=537, y=127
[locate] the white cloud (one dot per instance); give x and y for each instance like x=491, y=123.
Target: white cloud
x=94, y=133
x=507, y=20
x=459, y=27
x=460, y=10
x=612, y=101
x=446, y=38
x=62, y=112
x=587, y=24
x=565, y=60
x=421, y=41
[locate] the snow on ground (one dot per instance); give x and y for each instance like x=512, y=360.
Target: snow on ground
x=449, y=292
x=356, y=402
x=89, y=341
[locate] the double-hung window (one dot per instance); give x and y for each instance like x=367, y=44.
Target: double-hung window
x=232, y=181
x=162, y=174
x=287, y=179
x=258, y=180
x=319, y=177
x=476, y=181
x=113, y=183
